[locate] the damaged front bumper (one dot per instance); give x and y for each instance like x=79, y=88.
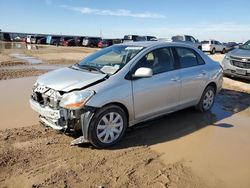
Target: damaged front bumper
x=64, y=119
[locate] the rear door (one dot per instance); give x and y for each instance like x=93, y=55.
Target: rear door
x=193, y=75
x=159, y=93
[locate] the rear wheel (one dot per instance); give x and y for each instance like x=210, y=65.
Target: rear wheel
x=107, y=126
x=207, y=99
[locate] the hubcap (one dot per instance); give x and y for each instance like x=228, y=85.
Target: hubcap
x=208, y=100
x=109, y=127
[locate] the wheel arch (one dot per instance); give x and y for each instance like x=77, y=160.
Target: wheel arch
x=122, y=106
x=214, y=85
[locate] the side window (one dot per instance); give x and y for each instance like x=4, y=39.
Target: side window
x=188, y=57
x=159, y=60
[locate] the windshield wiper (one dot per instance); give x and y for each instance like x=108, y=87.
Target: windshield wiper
x=90, y=68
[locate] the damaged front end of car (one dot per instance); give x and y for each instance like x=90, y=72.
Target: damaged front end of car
x=63, y=111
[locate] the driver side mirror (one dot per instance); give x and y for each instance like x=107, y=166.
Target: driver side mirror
x=143, y=72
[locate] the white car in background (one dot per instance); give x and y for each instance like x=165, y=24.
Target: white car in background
x=213, y=46
x=30, y=39
x=187, y=39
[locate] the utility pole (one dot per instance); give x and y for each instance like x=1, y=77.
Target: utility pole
x=101, y=33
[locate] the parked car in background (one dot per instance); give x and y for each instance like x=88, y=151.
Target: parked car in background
x=150, y=38
x=134, y=38
x=54, y=40
x=188, y=40
x=232, y=45
x=30, y=39
x=36, y=38
x=63, y=40
x=130, y=38
x=117, y=41
x=237, y=62
x=125, y=84
x=78, y=41
x=70, y=42
x=105, y=43
x=41, y=40
x=213, y=46
x=91, y=41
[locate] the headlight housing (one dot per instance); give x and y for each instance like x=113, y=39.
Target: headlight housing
x=227, y=57
x=76, y=99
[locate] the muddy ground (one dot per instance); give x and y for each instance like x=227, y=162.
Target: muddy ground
x=196, y=150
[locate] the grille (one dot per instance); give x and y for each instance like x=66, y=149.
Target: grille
x=239, y=58
x=241, y=64
x=47, y=98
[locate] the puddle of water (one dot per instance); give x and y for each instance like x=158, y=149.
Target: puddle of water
x=31, y=60
x=18, y=45
x=12, y=45
x=216, y=147
x=15, y=110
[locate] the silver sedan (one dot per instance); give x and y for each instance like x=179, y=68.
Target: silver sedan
x=125, y=84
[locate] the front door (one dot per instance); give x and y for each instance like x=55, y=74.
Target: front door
x=159, y=93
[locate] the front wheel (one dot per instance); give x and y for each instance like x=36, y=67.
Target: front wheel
x=107, y=126
x=207, y=99
x=213, y=51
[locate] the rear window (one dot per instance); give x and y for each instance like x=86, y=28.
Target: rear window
x=188, y=57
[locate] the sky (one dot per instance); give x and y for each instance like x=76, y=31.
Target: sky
x=224, y=20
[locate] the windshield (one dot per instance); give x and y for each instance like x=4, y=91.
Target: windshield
x=111, y=59
x=246, y=46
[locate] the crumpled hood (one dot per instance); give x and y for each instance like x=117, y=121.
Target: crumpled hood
x=240, y=53
x=67, y=79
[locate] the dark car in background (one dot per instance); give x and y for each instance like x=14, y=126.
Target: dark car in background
x=146, y=38
x=135, y=38
x=91, y=41
x=70, y=42
x=78, y=41
x=231, y=45
x=63, y=40
x=41, y=40
x=54, y=40
x=36, y=38
x=105, y=43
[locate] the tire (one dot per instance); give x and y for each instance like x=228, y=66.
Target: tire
x=207, y=99
x=101, y=130
x=200, y=48
x=223, y=51
x=213, y=51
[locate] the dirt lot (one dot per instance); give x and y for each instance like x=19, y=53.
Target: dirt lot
x=196, y=150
